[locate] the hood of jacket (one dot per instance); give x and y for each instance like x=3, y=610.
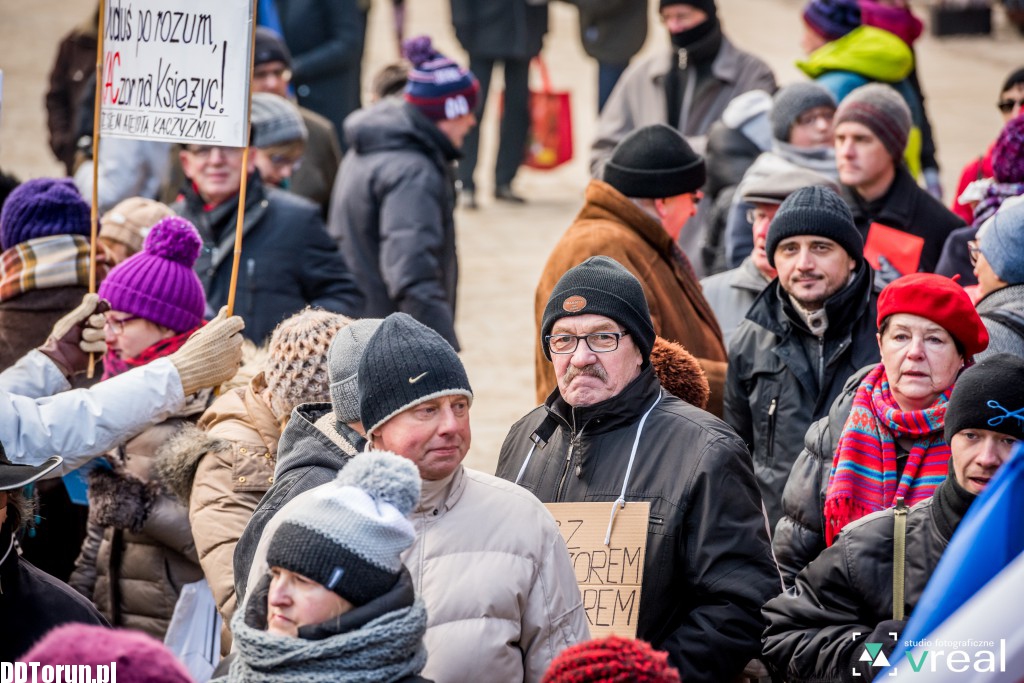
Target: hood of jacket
x=304, y=444
x=871, y=52
x=393, y=125
x=680, y=373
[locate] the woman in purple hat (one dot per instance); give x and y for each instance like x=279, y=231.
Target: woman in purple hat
x=140, y=551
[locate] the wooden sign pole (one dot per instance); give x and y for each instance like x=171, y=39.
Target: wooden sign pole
x=240, y=220
x=94, y=212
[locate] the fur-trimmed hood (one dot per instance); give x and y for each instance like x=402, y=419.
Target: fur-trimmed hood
x=680, y=373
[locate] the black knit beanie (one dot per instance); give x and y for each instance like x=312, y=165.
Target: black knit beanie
x=989, y=395
x=404, y=364
x=654, y=162
x=602, y=286
x=707, y=6
x=815, y=210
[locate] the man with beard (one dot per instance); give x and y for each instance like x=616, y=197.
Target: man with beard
x=805, y=334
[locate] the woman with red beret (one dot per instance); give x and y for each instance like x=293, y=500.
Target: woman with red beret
x=883, y=437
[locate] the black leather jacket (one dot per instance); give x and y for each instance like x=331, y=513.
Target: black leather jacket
x=708, y=566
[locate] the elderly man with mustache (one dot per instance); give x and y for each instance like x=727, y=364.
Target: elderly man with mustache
x=611, y=432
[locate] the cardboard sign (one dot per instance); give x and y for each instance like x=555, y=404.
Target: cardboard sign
x=609, y=576
x=177, y=71
x=900, y=248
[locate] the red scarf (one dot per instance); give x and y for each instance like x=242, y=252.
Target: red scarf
x=114, y=365
x=863, y=476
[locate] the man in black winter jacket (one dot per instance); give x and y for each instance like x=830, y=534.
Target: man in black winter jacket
x=394, y=198
x=708, y=560
x=848, y=588
x=288, y=261
x=804, y=335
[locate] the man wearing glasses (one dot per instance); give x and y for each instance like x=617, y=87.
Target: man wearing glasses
x=708, y=566
x=288, y=260
x=650, y=189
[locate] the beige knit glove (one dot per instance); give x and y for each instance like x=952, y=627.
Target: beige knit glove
x=212, y=355
x=76, y=335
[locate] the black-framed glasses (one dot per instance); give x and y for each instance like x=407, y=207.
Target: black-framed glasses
x=117, y=324
x=598, y=342
x=973, y=249
x=1008, y=105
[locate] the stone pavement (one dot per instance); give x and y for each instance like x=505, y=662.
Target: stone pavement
x=502, y=249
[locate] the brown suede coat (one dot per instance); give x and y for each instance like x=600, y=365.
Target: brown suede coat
x=611, y=225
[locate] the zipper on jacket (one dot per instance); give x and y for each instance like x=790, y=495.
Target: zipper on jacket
x=821, y=363
x=566, y=465
x=769, y=453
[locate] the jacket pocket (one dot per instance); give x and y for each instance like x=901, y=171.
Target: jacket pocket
x=252, y=468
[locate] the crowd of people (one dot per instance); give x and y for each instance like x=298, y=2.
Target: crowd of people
x=763, y=322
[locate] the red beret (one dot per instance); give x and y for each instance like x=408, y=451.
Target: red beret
x=940, y=300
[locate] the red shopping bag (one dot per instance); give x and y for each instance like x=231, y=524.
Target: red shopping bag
x=549, y=144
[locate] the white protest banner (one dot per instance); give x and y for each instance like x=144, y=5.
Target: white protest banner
x=609, y=576
x=177, y=71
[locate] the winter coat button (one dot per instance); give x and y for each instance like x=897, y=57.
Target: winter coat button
x=243, y=450
x=270, y=480
x=241, y=480
x=579, y=470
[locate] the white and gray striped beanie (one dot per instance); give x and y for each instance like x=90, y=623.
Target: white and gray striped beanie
x=349, y=535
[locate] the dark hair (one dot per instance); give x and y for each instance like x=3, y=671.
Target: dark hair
x=390, y=80
x=956, y=342
x=1015, y=78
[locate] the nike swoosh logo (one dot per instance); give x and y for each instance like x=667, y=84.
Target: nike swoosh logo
x=413, y=380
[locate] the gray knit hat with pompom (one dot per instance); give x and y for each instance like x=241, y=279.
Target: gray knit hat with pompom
x=349, y=535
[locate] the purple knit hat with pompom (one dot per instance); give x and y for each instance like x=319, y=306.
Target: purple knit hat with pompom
x=437, y=86
x=1008, y=153
x=158, y=283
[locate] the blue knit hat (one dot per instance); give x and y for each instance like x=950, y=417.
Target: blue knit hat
x=437, y=86
x=1001, y=240
x=832, y=19
x=43, y=207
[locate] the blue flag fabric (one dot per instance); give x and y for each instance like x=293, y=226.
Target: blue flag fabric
x=990, y=536
x=266, y=15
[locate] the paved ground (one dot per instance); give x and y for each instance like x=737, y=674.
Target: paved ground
x=503, y=249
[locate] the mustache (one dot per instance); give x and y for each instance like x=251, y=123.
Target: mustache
x=572, y=372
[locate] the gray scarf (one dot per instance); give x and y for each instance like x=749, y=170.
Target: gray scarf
x=386, y=648
x=818, y=159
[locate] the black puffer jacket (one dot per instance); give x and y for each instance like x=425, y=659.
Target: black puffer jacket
x=708, y=567
x=800, y=534
x=849, y=588
x=288, y=261
x=782, y=378
x=391, y=213
x=907, y=207
x=307, y=456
